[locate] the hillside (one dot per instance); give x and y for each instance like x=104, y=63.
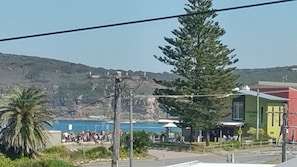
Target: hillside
x=74, y=93
x=276, y=74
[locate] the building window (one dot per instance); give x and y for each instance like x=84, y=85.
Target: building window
x=237, y=110
x=280, y=116
x=272, y=116
x=261, y=115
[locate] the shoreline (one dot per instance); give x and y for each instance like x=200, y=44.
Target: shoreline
x=104, y=120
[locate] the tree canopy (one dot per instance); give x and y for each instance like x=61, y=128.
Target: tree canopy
x=205, y=66
x=24, y=123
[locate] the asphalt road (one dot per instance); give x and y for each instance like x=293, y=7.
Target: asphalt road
x=164, y=158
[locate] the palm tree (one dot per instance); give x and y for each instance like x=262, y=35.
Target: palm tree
x=24, y=123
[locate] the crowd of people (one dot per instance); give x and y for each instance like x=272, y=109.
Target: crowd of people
x=87, y=136
x=102, y=136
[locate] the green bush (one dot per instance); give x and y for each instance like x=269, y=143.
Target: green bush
x=262, y=135
x=231, y=145
x=76, y=155
x=174, y=146
x=57, y=152
x=123, y=153
x=51, y=163
x=141, y=142
x=26, y=162
x=56, y=149
x=6, y=162
x=98, y=152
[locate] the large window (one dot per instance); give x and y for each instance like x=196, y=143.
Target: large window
x=238, y=111
x=272, y=117
x=261, y=115
x=280, y=112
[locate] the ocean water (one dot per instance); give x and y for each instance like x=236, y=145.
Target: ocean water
x=97, y=126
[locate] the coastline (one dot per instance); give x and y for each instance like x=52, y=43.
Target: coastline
x=104, y=120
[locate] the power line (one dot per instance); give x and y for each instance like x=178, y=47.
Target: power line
x=143, y=21
x=189, y=96
x=89, y=104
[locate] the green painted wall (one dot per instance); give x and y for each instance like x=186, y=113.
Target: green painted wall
x=266, y=124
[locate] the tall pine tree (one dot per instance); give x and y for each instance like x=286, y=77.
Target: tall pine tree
x=205, y=66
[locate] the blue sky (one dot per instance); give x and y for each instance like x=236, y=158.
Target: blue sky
x=262, y=36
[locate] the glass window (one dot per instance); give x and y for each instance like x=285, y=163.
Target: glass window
x=272, y=116
x=280, y=116
x=293, y=135
x=261, y=115
x=238, y=111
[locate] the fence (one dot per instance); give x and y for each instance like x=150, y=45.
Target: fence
x=227, y=146
x=248, y=144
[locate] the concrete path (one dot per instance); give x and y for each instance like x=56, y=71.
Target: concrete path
x=163, y=154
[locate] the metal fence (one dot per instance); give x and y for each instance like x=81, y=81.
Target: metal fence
x=201, y=147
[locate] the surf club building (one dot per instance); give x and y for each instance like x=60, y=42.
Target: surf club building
x=244, y=115
x=285, y=90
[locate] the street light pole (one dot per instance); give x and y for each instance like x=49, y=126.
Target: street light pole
x=131, y=128
x=258, y=115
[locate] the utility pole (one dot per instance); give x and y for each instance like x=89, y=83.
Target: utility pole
x=117, y=110
x=131, y=129
x=258, y=115
x=117, y=113
x=284, y=133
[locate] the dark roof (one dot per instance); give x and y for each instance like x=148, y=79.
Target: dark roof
x=269, y=84
x=262, y=95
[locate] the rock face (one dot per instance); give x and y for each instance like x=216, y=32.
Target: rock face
x=147, y=107
x=151, y=109
x=144, y=108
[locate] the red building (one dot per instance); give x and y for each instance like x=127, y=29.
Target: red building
x=285, y=90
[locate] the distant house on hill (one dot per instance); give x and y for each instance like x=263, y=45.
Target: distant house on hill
x=90, y=75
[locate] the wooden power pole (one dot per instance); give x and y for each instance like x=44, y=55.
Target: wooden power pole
x=117, y=121
x=284, y=133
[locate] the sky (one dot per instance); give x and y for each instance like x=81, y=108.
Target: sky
x=262, y=36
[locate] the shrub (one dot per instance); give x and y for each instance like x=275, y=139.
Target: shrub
x=57, y=152
x=51, y=163
x=141, y=142
x=56, y=149
x=6, y=162
x=123, y=153
x=231, y=145
x=98, y=152
x=253, y=131
x=77, y=155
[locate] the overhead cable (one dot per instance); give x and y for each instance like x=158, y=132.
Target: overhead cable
x=142, y=21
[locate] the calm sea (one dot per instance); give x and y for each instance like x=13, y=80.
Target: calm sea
x=97, y=126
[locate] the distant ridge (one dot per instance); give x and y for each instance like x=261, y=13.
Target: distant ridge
x=66, y=82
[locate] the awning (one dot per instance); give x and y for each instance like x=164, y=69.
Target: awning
x=237, y=124
x=165, y=121
x=170, y=125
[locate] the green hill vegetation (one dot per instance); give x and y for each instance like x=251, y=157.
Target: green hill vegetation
x=70, y=87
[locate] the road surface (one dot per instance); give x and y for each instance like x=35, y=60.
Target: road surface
x=164, y=158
